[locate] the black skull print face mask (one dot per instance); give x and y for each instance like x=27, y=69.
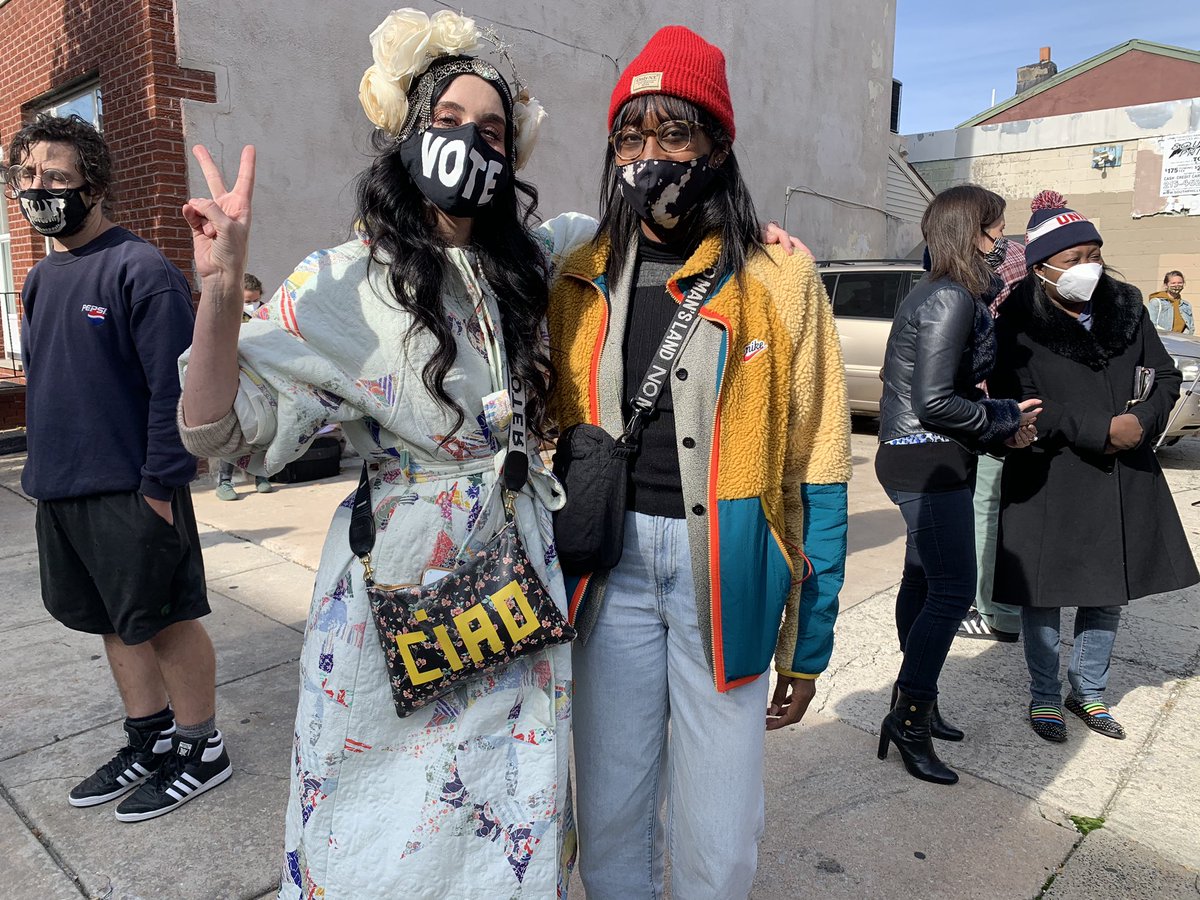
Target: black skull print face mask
x=55, y=216
x=663, y=191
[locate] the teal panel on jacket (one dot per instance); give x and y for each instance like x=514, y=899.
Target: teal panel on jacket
x=825, y=523
x=571, y=584
x=755, y=580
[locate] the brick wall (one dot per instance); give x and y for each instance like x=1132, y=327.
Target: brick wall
x=1131, y=79
x=12, y=409
x=129, y=48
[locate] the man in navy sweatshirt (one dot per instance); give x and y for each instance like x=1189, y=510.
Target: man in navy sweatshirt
x=106, y=318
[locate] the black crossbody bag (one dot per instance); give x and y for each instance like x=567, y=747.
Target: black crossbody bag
x=593, y=466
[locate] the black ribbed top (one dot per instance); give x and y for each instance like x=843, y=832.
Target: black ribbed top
x=655, y=487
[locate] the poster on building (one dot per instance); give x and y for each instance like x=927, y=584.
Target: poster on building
x=1181, y=165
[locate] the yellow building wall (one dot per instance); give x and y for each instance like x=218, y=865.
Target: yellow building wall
x=1141, y=249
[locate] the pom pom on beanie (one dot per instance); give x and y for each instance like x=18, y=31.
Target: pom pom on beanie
x=1048, y=200
x=1054, y=228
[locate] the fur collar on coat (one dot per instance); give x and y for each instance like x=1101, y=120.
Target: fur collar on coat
x=1117, y=312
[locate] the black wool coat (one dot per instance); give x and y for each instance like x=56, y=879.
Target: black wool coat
x=1079, y=527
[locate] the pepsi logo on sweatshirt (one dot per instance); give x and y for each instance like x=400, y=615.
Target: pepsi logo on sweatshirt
x=95, y=314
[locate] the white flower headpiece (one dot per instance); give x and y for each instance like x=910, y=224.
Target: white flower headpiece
x=406, y=44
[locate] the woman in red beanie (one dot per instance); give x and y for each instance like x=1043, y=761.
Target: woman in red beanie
x=734, y=505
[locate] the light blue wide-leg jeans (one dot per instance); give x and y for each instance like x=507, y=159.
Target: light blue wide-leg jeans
x=1087, y=672
x=651, y=731
x=1000, y=616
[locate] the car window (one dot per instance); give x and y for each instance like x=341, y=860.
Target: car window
x=908, y=284
x=869, y=295
x=830, y=281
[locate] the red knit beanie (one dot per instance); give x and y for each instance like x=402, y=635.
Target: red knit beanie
x=680, y=63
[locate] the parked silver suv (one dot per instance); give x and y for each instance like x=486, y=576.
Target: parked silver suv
x=865, y=294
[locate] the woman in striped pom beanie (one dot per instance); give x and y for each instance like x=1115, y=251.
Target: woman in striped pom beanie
x=1087, y=519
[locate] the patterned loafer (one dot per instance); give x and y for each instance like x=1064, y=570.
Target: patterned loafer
x=1047, y=720
x=1096, y=716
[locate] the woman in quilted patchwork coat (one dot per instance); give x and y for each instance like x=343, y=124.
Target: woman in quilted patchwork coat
x=405, y=336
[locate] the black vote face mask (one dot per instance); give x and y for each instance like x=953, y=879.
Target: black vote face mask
x=663, y=191
x=60, y=216
x=455, y=168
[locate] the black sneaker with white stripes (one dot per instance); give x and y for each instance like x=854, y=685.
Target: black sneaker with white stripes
x=976, y=626
x=193, y=768
x=133, y=764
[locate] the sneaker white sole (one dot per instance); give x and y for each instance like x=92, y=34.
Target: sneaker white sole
x=219, y=778
x=105, y=798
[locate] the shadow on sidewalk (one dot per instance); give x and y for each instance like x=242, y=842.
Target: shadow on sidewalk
x=984, y=689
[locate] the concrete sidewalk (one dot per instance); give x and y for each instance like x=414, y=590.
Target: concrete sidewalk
x=840, y=823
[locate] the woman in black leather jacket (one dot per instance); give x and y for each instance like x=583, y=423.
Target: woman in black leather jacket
x=933, y=421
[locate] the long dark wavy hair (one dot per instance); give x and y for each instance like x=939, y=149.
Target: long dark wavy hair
x=727, y=210
x=398, y=221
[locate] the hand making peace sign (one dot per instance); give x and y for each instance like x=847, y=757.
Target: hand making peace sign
x=221, y=225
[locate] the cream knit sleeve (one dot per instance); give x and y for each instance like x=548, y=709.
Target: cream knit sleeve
x=222, y=438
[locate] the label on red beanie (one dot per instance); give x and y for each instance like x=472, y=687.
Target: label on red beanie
x=647, y=81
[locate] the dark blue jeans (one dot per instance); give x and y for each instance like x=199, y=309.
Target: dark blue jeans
x=938, y=584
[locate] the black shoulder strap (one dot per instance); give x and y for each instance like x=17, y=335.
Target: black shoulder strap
x=515, y=471
x=362, y=517
x=696, y=290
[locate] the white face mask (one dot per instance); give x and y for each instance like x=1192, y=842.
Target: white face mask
x=1078, y=283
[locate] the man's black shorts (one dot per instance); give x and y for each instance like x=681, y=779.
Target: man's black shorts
x=111, y=565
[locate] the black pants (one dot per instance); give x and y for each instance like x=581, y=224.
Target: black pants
x=111, y=565
x=938, y=584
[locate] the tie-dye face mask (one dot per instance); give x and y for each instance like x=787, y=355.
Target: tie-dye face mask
x=664, y=191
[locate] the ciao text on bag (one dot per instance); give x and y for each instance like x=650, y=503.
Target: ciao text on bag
x=475, y=628
x=448, y=158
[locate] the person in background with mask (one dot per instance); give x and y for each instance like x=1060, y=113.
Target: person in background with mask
x=252, y=302
x=406, y=335
x=989, y=619
x=1087, y=519
x=252, y=291
x=106, y=317
x=741, y=471
x=1168, y=310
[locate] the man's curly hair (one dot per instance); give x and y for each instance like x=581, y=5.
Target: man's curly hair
x=95, y=161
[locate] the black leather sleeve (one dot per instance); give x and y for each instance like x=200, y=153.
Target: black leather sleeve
x=943, y=331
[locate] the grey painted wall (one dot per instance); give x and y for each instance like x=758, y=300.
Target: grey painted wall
x=811, y=83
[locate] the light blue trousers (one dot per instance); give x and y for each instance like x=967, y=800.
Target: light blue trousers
x=1000, y=616
x=652, y=732
x=1087, y=672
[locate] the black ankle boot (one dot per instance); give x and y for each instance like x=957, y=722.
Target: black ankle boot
x=941, y=729
x=907, y=726
x=938, y=727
